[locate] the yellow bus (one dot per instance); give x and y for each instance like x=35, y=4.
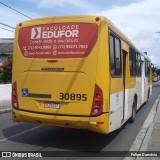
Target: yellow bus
x=77, y=72
x=154, y=77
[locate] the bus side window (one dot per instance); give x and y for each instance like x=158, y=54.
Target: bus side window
x=138, y=64
x=115, y=56
x=134, y=62
x=133, y=69
x=139, y=61
x=146, y=71
x=112, y=55
x=131, y=62
x=118, y=56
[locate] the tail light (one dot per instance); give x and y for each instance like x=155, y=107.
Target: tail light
x=97, y=105
x=14, y=96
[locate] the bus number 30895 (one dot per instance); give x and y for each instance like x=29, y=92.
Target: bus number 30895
x=73, y=96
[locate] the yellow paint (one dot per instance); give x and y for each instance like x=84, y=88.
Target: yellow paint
x=116, y=85
x=64, y=121
x=79, y=77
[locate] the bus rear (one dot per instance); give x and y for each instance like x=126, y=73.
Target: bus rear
x=54, y=73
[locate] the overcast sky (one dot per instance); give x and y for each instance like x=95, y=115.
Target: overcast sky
x=139, y=20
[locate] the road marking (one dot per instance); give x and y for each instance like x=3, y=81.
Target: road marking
x=18, y=134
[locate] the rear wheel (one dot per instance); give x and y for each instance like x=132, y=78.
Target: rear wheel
x=147, y=96
x=148, y=92
x=134, y=108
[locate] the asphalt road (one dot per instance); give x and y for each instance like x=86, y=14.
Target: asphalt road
x=33, y=137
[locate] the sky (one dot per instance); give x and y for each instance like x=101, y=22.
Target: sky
x=139, y=20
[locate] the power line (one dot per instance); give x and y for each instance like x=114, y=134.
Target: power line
x=6, y=25
x=15, y=10
x=6, y=29
x=5, y=46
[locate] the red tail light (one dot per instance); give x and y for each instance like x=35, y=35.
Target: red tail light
x=97, y=105
x=14, y=96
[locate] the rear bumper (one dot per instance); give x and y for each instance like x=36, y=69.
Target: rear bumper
x=64, y=121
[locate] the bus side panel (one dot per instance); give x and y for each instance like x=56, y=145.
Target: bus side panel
x=116, y=104
x=139, y=91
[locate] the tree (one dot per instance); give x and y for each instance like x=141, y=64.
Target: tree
x=154, y=69
x=158, y=71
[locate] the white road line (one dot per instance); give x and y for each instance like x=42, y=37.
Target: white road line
x=18, y=134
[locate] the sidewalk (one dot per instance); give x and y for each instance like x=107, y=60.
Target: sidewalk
x=154, y=142
x=151, y=141
x=148, y=138
x=5, y=98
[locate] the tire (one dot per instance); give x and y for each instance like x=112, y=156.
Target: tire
x=134, y=108
x=149, y=93
x=147, y=96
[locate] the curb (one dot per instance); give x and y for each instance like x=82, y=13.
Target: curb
x=141, y=141
x=2, y=111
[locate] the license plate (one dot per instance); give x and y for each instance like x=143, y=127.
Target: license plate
x=51, y=105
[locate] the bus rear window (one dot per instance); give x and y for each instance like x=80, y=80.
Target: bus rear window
x=68, y=40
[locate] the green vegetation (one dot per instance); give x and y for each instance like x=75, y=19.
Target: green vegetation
x=158, y=71
x=6, y=70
